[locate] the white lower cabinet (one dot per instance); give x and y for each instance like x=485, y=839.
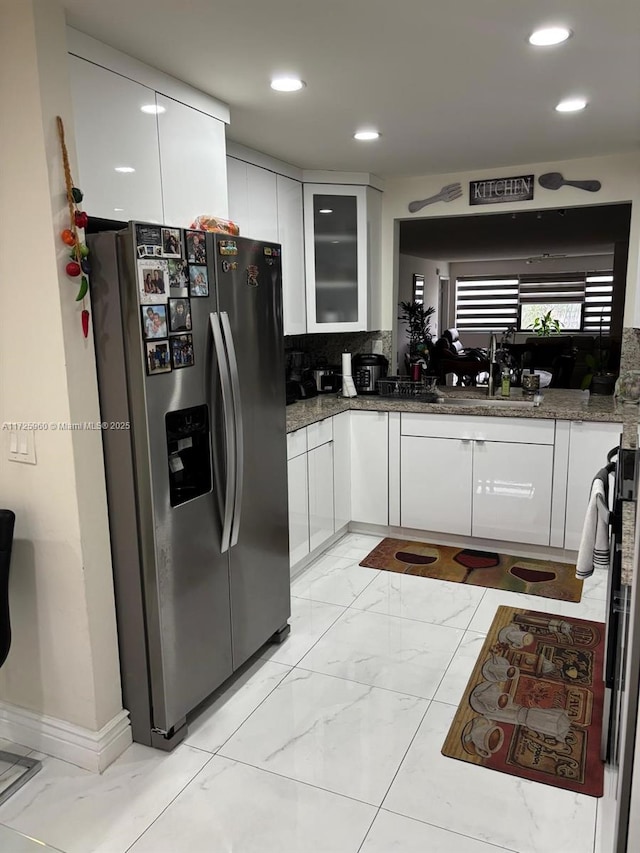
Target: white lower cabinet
x=476, y=484
x=589, y=444
x=298, y=481
x=512, y=491
x=342, y=469
x=370, y=467
x=321, y=514
x=435, y=478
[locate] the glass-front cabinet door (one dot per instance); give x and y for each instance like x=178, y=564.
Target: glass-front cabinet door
x=336, y=257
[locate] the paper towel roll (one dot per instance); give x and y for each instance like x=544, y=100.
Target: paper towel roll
x=346, y=364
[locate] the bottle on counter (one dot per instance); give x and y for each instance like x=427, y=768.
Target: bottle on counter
x=505, y=382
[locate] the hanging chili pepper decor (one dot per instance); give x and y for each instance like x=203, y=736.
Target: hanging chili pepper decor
x=78, y=265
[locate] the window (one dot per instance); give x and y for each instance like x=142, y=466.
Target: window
x=418, y=288
x=562, y=295
x=581, y=302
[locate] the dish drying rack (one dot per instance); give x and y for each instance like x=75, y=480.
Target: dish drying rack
x=401, y=388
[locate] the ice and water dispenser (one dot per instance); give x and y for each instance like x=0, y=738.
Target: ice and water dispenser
x=189, y=455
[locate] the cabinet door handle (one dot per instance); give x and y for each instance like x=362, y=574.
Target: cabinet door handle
x=465, y=440
x=479, y=440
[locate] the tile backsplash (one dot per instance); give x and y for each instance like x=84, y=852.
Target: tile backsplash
x=327, y=347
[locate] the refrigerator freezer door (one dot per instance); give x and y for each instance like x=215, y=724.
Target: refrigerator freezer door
x=185, y=573
x=250, y=293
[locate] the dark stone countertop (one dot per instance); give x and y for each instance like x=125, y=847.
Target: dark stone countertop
x=557, y=403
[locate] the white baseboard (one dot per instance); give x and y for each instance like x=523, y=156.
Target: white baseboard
x=518, y=549
x=304, y=562
x=85, y=748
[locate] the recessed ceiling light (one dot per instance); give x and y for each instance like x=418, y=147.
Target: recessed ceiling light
x=571, y=105
x=549, y=35
x=152, y=109
x=287, y=84
x=366, y=134
x=325, y=210
x=124, y=169
x=118, y=209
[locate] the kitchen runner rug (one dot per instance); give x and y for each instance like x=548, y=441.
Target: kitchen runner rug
x=479, y=568
x=533, y=704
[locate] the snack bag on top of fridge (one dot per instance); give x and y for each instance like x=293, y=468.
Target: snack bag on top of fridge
x=215, y=223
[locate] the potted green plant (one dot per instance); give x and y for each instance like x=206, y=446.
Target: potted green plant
x=546, y=325
x=418, y=328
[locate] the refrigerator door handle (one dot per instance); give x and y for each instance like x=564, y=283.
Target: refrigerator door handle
x=237, y=410
x=229, y=433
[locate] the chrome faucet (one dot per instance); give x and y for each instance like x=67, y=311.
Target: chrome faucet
x=493, y=346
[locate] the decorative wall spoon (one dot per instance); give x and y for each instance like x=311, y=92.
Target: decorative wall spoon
x=554, y=180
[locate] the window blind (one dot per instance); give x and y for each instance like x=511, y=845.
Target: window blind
x=486, y=303
x=493, y=303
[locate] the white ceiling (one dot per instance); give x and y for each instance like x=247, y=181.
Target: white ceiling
x=451, y=84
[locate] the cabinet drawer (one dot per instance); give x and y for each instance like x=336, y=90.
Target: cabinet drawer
x=518, y=430
x=319, y=433
x=296, y=443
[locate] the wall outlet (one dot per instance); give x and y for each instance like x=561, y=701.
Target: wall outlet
x=377, y=346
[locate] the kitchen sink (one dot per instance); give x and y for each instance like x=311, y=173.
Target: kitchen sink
x=492, y=402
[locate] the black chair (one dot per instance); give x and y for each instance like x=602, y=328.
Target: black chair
x=451, y=357
x=30, y=765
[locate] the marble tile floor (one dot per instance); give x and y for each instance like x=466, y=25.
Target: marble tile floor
x=329, y=743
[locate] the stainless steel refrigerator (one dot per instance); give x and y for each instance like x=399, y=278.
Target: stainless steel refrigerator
x=193, y=402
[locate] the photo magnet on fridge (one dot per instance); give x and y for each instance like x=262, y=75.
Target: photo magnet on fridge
x=154, y=321
x=227, y=247
x=180, y=315
x=158, y=357
x=171, y=243
x=153, y=282
x=198, y=281
x=181, y=351
x=196, y=249
x=149, y=236
x=178, y=274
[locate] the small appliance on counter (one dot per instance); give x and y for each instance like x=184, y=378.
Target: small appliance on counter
x=328, y=379
x=367, y=369
x=299, y=376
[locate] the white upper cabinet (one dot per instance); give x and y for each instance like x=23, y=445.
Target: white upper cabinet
x=268, y=206
x=175, y=159
x=291, y=237
x=342, y=251
x=263, y=204
x=238, y=193
x=253, y=200
x=193, y=163
x=113, y=133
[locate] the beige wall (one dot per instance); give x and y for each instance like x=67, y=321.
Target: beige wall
x=620, y=177
x=64, y=660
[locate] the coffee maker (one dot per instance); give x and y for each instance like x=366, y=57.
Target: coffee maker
x=300, y=382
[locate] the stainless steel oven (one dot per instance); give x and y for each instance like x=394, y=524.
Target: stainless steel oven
x=622, y=662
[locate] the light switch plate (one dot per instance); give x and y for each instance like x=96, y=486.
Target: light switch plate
x=22, y=446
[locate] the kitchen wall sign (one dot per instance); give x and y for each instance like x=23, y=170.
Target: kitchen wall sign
x=501, y=190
